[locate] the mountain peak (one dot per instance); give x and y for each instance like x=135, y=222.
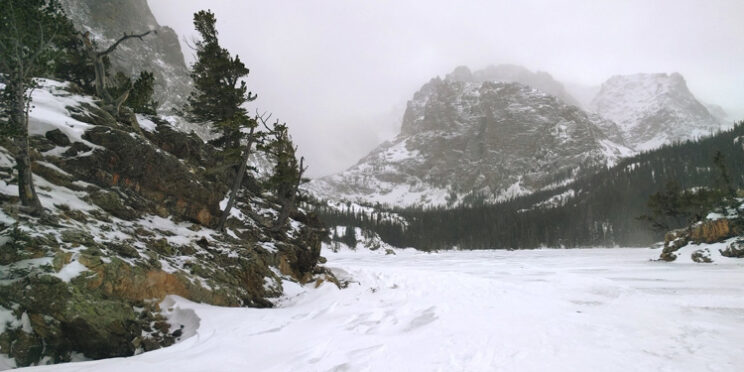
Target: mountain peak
x=653, y=109
x=510, y=73
x=464, y=141
x=460, y=73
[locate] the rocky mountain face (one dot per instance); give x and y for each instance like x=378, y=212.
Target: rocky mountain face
x=159, y=53
x=463, y=139
x=654, y=109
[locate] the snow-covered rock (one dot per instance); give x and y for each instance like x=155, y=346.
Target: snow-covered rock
x=654, y=109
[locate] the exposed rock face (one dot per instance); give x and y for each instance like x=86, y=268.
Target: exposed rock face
x=463, y=140
x=708, y=231
x=653, y=109
x=138, y=167
x=712, y=231
x=161, y=54
x=129, y=219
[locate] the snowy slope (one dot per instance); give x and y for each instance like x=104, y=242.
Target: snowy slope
x=556, y=310
x=654, y=109
x=462, y=141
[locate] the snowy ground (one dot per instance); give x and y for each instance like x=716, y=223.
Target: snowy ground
x=542, y=310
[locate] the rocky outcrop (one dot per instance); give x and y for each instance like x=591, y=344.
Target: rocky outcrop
x=704, y=232
x=712, y=231
x=135, y=166
x=129, y=221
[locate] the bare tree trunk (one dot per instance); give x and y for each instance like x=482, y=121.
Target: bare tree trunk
x=19, y=118
x=238, y=181
x=96, y=58
x=100, y=81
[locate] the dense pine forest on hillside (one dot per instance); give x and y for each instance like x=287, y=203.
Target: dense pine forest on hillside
x=604, y=209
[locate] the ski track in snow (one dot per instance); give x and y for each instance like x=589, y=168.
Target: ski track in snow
x=539, y=310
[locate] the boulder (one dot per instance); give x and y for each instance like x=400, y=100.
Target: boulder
x=701, y=256
x=57, y=137
x=111, y=202
x=673, y=241
x=735, y=249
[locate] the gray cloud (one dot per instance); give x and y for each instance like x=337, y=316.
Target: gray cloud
x=338, y=71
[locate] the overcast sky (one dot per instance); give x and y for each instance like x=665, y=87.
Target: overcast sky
x=339, y=72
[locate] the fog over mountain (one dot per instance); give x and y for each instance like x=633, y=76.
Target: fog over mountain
x=335, y=70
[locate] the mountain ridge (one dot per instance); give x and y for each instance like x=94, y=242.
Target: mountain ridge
x=402, y=172
x=462, y=141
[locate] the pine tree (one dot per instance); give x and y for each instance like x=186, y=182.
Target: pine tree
x=349, y=237
x=219, y=91
x=139, y=92
x=72, y=64
x=140, y=98
x=218, y=100
x=287, y=177
x=30, y=33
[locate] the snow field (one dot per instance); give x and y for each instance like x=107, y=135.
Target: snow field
x=540, y=310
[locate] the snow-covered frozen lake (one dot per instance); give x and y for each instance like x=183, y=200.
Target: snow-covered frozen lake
x=541, y=310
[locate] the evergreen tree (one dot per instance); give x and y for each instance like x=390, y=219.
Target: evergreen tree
x=219, y=91
x=349, y=237
x=673, y=207
x=140, y=98
x=286, y=168
x=72, y=64
x=139, y=92
x=287, y=177
x=30, y=32
x=218, y=100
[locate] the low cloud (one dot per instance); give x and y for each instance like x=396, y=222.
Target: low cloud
x=338, y=72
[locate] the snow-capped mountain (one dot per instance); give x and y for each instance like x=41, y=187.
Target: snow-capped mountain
x=654, y=109
x=463, y=140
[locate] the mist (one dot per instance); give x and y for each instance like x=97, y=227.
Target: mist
x=340, y=72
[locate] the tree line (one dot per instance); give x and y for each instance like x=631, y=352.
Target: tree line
x=630, y=204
